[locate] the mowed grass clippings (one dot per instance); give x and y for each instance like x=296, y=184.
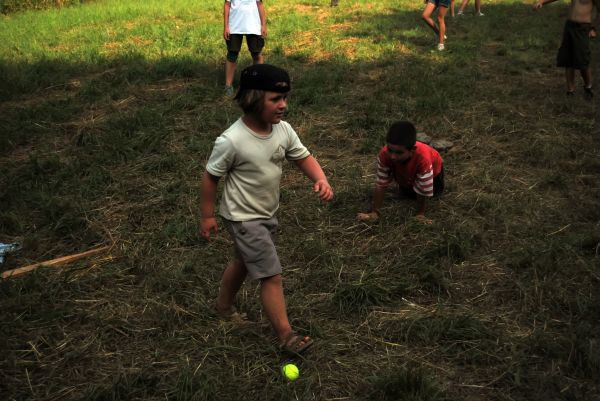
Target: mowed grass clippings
x=108, y=114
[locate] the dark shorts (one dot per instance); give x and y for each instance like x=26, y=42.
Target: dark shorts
x=574, y=51
x=438, y=187
x=440, y=3
x=254, y=244
x=255, y=43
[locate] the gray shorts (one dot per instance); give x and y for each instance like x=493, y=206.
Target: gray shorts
x=254, y=244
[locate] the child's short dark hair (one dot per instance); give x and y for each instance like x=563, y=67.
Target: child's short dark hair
x=402, y=133
x=251, y=100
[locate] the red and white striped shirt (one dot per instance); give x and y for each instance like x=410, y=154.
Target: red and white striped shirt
x=418, y=172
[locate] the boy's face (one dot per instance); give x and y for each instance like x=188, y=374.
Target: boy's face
x=399, y=153
x=275, y=104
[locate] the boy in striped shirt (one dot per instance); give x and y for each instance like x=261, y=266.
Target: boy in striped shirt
x=415, y=166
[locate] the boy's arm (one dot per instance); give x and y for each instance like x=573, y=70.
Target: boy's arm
x=596, y=23
x=226, y=9
x=421, y=204
x=384, y=178
x=208, y=196
x=312, y=169
x=421, y=201
x=263, y=18
x=541, y=3
x=378, y=196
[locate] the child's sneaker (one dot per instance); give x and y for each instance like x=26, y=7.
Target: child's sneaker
x=479, y=14
x=588, y=92
x=460, y=13
x=441, y=48
x=228, y=91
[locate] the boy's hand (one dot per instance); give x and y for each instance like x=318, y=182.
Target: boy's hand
x=324, y=190
x=263, y=31
x=421, y=218
x=371, y=216
x=538, y=5
x=208, y=224
x=226, y=33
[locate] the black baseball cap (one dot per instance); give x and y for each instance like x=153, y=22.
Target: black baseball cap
x=265, y=77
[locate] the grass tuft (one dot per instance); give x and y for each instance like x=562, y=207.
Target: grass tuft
x=408, y=382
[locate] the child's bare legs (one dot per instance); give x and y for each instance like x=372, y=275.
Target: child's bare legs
x=258, y=58
x=452, y=8
x=229, y=72
x=570, y=77
x=273, y=302
x=463, y=5
x=233, y=278
x=477, y=6
x=586, y=74
x=442, y=23
x=429, y=9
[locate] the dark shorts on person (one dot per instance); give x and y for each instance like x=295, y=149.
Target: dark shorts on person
x=255, y=43
x=438, y=187
x=574, y=51
x=442, y=3
x=254, y=244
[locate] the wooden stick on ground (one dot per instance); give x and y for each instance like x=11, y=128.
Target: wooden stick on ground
x=53, y=262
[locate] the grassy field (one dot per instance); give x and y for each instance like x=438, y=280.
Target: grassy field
x=108, y=112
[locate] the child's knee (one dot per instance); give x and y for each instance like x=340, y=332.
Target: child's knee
x=272, y=280
x=232, y=56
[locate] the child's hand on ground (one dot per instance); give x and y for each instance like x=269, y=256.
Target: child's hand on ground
x=421, y=218
x=593, y=33
x=371, y=216
x=208, y=224
x=324, y=190
x=537, y=5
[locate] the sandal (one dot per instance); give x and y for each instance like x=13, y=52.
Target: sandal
x=296, y=343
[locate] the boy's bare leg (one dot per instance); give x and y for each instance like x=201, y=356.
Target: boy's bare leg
x=442, y=22
x=229, y=71
x=429, y=8
x=477, y=6
x=273, y=302
x=258, y=58
x=570, y=77
x=586, y=74
x=463, y=6
x=233, y=278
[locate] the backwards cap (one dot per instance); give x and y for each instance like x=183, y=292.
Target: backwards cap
x=265, y=77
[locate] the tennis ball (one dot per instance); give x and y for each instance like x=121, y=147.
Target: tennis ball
x=290, y=371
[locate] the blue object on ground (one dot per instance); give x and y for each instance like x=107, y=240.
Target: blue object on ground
x=8, y=248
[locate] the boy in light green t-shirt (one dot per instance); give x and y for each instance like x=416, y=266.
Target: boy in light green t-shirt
x=251, y=154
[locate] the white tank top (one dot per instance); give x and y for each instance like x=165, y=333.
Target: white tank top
x=244, y=17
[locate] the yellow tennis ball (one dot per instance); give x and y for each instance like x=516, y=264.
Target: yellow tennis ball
x=290, y=371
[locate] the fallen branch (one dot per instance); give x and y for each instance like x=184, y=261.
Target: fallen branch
x=53, y=262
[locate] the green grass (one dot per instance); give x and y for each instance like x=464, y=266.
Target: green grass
x=108, y=113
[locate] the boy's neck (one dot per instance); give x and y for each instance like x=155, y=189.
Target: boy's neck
x=257, y=125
